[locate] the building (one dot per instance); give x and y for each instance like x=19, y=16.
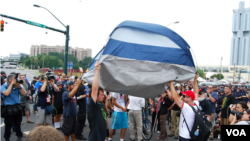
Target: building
x=230, y=72
x=15, y=56
x=240, y=43
x=79, y=53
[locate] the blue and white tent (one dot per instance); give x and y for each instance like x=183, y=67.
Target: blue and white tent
x=141, y=58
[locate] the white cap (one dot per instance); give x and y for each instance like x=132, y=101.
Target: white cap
x=177, y=85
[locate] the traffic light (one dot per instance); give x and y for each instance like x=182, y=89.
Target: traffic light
x=2, y=25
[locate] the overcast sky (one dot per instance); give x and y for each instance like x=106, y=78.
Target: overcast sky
x=205, y=25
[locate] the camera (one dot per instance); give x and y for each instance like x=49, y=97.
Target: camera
x=49, y=75
x=238, y=114
x=17, y=79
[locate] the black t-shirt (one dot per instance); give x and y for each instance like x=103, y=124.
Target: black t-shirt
x=165, y=104
x=81, y=102
x=58, y=98
x=220, y=100
x=230, y=99
x=33, y=82
x=97, y=123
x=206, y=107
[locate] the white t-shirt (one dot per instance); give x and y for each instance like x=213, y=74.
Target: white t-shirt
x=136, y=103
x=119, y=100
x=189, y=115
x=243, y=123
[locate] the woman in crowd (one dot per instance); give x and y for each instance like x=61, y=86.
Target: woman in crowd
x=240, y=107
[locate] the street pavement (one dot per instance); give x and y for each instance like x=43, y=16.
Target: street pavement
x=28, y=126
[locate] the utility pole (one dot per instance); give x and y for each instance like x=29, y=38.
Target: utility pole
x=220, y=67
x=233, y=73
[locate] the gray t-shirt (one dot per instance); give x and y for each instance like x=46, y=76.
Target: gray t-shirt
x=26, y=88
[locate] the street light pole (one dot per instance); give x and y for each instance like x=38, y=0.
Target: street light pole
x=220, y=67
x=66, y=43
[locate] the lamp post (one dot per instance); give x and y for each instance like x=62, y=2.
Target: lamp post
x=173, y=23
x=220, y=67
x=66, y=42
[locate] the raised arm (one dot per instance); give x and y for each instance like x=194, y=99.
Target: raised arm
x=73, y=92
x=196, y=90
x=95, y=85
x=175, y=95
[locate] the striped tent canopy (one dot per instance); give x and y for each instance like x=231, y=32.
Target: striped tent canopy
x=141, y=58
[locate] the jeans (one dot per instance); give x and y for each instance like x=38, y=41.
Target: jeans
x=145, y=120
x=17, y=119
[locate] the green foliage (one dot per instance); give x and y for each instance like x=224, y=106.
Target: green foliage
x=55, y=59
x=217, y=76
x=201, y=73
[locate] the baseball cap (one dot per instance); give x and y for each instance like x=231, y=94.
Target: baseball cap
x=189, y=93
x=203, y=84
x=177, y=85
x=69, y=83
x=2, y=72
x=34, y=77
x=202, y=90
x=59, y=83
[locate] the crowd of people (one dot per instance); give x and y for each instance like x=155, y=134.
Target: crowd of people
x=75, y=101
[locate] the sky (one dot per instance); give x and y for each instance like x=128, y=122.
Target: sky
x=206, y=25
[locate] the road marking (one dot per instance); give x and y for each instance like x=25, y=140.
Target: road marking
x=29, y=73
x=2, y=125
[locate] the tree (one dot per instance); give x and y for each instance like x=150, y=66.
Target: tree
x=201, y=73
x=217, y=76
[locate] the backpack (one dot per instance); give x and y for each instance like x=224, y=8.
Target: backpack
x=201, y=128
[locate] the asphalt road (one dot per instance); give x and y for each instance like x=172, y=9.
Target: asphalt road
x=28, y=127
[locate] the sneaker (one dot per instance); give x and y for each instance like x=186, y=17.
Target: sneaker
x=211, y=138
x=80, y=137
x=176, y=137
x=132, y=139
x=170, y=135
x=60, y=128
x=30, y=121
x=158, y=132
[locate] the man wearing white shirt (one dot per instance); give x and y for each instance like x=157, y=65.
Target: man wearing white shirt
x=120, y=118
x=189, y=98
x=135, y=105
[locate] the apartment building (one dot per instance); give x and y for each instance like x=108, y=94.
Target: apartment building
x=80, y=53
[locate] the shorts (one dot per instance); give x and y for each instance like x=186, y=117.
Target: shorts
x=58, y=111
x=27, y=106
x=69, y=126
x=41, y=117
x=120, y=120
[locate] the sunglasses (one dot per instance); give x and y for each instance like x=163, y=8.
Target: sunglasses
x=210, y=87
x=185, y=96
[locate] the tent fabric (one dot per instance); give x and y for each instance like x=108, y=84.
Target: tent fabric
x=140, y=59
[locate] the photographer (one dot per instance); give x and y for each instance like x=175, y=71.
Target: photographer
x=24, y=99
x=45, y=97
x=240, y=107
x=242, y=118
x=11, y=92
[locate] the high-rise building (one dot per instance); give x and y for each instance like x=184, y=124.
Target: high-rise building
x=79, y=53
x=240, y=43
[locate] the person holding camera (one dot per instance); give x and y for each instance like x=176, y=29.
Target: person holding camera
x=238, y=108
x=45, y=97
x=242, y=118
x=11, y=92
x=24, y=99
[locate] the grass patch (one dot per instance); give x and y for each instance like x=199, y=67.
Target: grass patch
x=20, y=69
